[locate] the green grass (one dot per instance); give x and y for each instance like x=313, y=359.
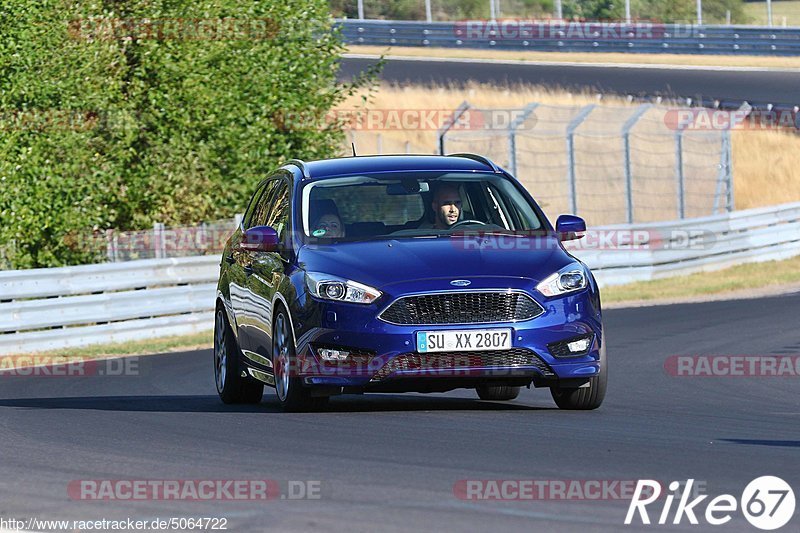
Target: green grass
x=741, y=277
x=757, y=11
x=194, y=341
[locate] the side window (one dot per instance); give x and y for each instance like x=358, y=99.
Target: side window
x=273, y=207
x=251, y=207
x=499, y=212
x=262, y=205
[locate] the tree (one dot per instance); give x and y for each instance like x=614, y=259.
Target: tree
x=594, y=9
x=120, y=113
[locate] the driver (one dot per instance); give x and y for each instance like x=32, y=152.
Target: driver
x=446, y=206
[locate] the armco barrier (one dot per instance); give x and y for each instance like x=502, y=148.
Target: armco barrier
x=642, y=37
x=59, y=308
x=695, y=245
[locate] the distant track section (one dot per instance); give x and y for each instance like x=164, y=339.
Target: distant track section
x=572, y=36
x=759, y=88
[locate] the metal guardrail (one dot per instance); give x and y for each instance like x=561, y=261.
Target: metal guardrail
x=576, y=37
x=665, y=249
x=59, y=308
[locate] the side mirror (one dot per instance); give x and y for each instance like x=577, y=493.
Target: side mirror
x=570, y=227
x=260, y=239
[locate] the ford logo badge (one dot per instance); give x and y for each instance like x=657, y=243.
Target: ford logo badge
x=460, y=282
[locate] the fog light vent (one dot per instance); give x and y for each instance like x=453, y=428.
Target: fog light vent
x=342, y=354
x=331, y=354
x=581, y=345
x=575, y=346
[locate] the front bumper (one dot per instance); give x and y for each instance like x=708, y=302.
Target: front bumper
x=384, y=356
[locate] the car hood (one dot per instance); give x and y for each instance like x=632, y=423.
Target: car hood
x=384, y=263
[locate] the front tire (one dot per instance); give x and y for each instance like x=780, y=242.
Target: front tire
x=585, y=398
x=292, y=395
x=231, y=386
x=497, y=393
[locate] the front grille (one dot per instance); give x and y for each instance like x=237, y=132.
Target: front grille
x=515, y=357
x=462, y=308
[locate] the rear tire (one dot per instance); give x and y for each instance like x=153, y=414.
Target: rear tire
x=497, y=393
x=231, y=386
x=585, y=398
x=292, y=395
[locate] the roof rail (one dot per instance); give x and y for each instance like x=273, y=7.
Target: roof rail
x=481, y=159
x=301, y=165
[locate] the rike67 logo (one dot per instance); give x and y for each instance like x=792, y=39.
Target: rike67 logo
x=767, y=503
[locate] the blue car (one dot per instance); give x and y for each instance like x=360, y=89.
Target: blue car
x=404, y=274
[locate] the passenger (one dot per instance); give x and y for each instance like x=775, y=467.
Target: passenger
x=328, y=225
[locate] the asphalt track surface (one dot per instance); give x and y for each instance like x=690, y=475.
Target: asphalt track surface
x=390, y=462
x=755, y=87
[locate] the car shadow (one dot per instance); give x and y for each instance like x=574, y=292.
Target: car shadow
x=212, y=404
x=764, y=442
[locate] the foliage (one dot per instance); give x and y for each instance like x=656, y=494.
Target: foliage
x=121, y=113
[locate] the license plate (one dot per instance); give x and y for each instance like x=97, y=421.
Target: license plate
x=472, y=340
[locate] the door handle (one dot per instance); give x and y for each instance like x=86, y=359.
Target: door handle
x=229, y=259
x=248, y=270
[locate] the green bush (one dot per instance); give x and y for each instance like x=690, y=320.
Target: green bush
x=106, y=122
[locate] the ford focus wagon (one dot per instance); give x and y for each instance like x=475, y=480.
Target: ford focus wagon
x=404, y=274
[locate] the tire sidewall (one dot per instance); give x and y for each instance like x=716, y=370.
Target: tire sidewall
x=290, y=360
x=225, y=344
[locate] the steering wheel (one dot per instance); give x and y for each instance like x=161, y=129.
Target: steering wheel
x=469, y=221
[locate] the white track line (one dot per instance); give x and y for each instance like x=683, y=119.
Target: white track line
x=572, y=63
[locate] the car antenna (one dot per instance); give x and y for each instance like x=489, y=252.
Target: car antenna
x=354, y=148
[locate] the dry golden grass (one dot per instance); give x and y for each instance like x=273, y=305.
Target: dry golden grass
x=787, y=12
x=766, y=168
x=390, y=96
x=744, y=277
x=573, y=57
x=766, y=164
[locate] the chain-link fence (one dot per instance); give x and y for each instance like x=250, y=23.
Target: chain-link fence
x=608, y=164
x=163, y=242
x=160, y=242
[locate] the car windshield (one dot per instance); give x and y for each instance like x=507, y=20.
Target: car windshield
x=414, y=205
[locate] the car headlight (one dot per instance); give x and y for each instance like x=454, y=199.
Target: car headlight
x=339, y=289
x=569, y=279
